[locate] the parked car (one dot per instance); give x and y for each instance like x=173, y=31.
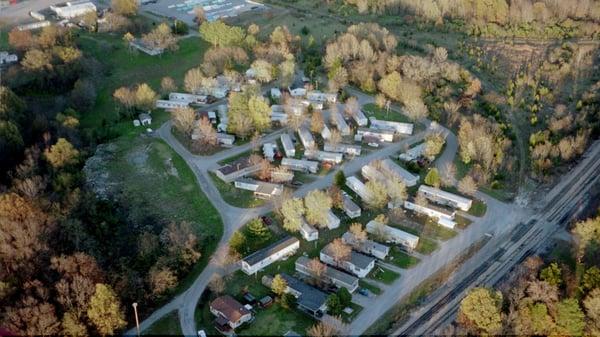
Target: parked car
x=365, y=292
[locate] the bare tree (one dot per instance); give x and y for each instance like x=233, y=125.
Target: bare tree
x=447, y=174
x=340, y=251
x=467, y=185
x=352, y=107
x=184, y=120
x=217, y=284
x=358, y=232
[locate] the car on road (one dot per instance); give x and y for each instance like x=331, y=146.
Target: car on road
x=365, y=292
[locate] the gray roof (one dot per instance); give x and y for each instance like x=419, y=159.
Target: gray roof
x=235, y=166
x=330, y=272
x=310, y=297
x=262, y=254
x=362, y=261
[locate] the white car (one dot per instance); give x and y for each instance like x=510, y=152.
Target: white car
x=373, y=144
x=201, y=333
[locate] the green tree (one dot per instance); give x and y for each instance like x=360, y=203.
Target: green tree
x=334, y=306
x=104, y=310
x=220, y=34
x=433, y=178
x=378, y=196
x=238, y=242
x=11, y=142
x=61, y=154
x=292, y=211
x=279, y=285
x=480, y=311
x=317, y=204
x=344, y=296
x=591, y=279
x=260, y=113
x=592, y=309
x=288, y=301
x=12, y=108
x=569, y=318
x=257, y=231
x=552, y=274
x=124, y=7
x=340, y=179
x=533, y=319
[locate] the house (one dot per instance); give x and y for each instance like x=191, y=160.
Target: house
x=269, y=150
x=145, y=119
x=225, y=139
x=398, y=127
x=261, y=189
x=308, y=298
x=300, y=165
x=72, y=10
x=318, y=96
x=350, y=208
x=376, y=135
x=443, y=216
x=389, y=167
x=189, y=98
x=329, y=157
x=229, y=313
x=306, y=138
x=236, y=169
x=445, y=198
x=297, y=92
x=280, y=117
x=6, y=58
x=308, y=232
x=325, y=133
x=357, y=264
x=358, y=187
x=340, y=123
x=333, y=221
x=330, y=276
x=144, y=47
x=33, y=25
x=275, y=93
x=360, y=118
x=270, y=254
x=315, y=105
x=368, y=247
x=392, y=234
x=167, y=104
x=288, y=146
x=413, y=153
x=349, y=149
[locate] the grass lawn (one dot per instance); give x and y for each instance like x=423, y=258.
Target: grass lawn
x=374, y=289
x=168, y=325
x=426, y=246
x=383, y=275
x=347, y=318
x=235, y=196
x=145, y=174
x=276, y=321
x=372, y=110
x=399, y=258
x=462, y=222
x=236, y=157
x=502, y=194
x=127, y=68
x=478, y=208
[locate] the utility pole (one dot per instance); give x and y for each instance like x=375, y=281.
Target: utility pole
x=137, y=321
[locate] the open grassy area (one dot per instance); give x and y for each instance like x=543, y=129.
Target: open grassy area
x=462, y=222
x=372, y=110
x=374, y=289
x=478, y=208
x=401, y=259
x=356, y=309
x=503, y=193
x=129, y=68
x=168, y=325
x=426, y=246
x=234, y=158
x=235, y=196
x=383, y=275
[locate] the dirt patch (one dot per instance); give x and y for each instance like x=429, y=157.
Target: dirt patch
x=96, y=171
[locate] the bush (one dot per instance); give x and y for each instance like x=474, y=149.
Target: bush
x=180, y=27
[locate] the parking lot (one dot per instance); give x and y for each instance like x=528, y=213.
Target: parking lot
x=213, y=9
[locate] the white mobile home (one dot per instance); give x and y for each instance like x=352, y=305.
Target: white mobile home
x=288, y=146
x=308, y=232
x=328, y=157
x=73, y=10
x=360, y=118
x=340, y=123
x=306, y=138
x=297, y=92
x=358, y=264
x=389, y=167
x=444, y=217
x=234, y=170
x=331, y=275
x=350, y=207
x=280, y=117
x=189, y=98
x=321, y=97
x=367, y=246
x=300, y=165
x=369, y=135
x=333, y=221
x=358, y=187
x=413, y=153
x=225, y=139
x=445, y=198
x=393, y=234
x=269, y=150
x=275, y=252
x=398, y=127
x=325, y=133
x=167, y=104
x=349, y=149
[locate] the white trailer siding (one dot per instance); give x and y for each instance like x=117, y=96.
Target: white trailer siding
x=393, y=234
x=288, y=146
x=445, y=198
x=388, y=166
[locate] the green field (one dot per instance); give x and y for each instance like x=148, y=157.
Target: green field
x=383, y=275
x=235, y=196
x=478, y=208
x=379, y=113
x=399, y=258
x=374, y=289
x=426, y=246
x=168, y=325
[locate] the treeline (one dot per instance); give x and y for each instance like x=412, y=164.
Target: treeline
x=497, y=17
x=557, y=298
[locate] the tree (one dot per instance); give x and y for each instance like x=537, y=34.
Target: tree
x=238, y=242
x=145, y=97
x=220, y=34
x=335, y=138
x=339, y=179
x=334, y=306
x=257, y=231
x=467, y=185
x=434, y=143
x=396, y=189
x=480, y=311
x=352, y=107
x=206, y=131
x=184, y=120
x=345, y=297
x=124, y=7
x=317, y=204
x=181, y=242
x=263, y=70
x=316, y=122
x=569, y=318
x=260, y=113
x=32, y=318
x=533, y=319
x=199, y=14
x=161, y=280
x=324, y=329
x=167, y=85
x=216, y=284
x=447, y=174
x=83, y=95
x=161, y=37
x=552, y=274
x=591, y=279
x=592, y=308
x=292, y=211
x=337, y=199
x=36, y=60
x=358, y=232
x=61, y=154
x=279, y=285
x=21, y=40
x=125, y=97
x=193, y=80
x=104, y=310
x=72, y=326
x=416, y=109
x=11, y=141
x=585, y=233
x=339, y=250
x=377, y=194
x=316, y=268
x=286, y=71
x=433, y=178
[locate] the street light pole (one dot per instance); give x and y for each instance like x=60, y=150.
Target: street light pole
x=137, y=321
